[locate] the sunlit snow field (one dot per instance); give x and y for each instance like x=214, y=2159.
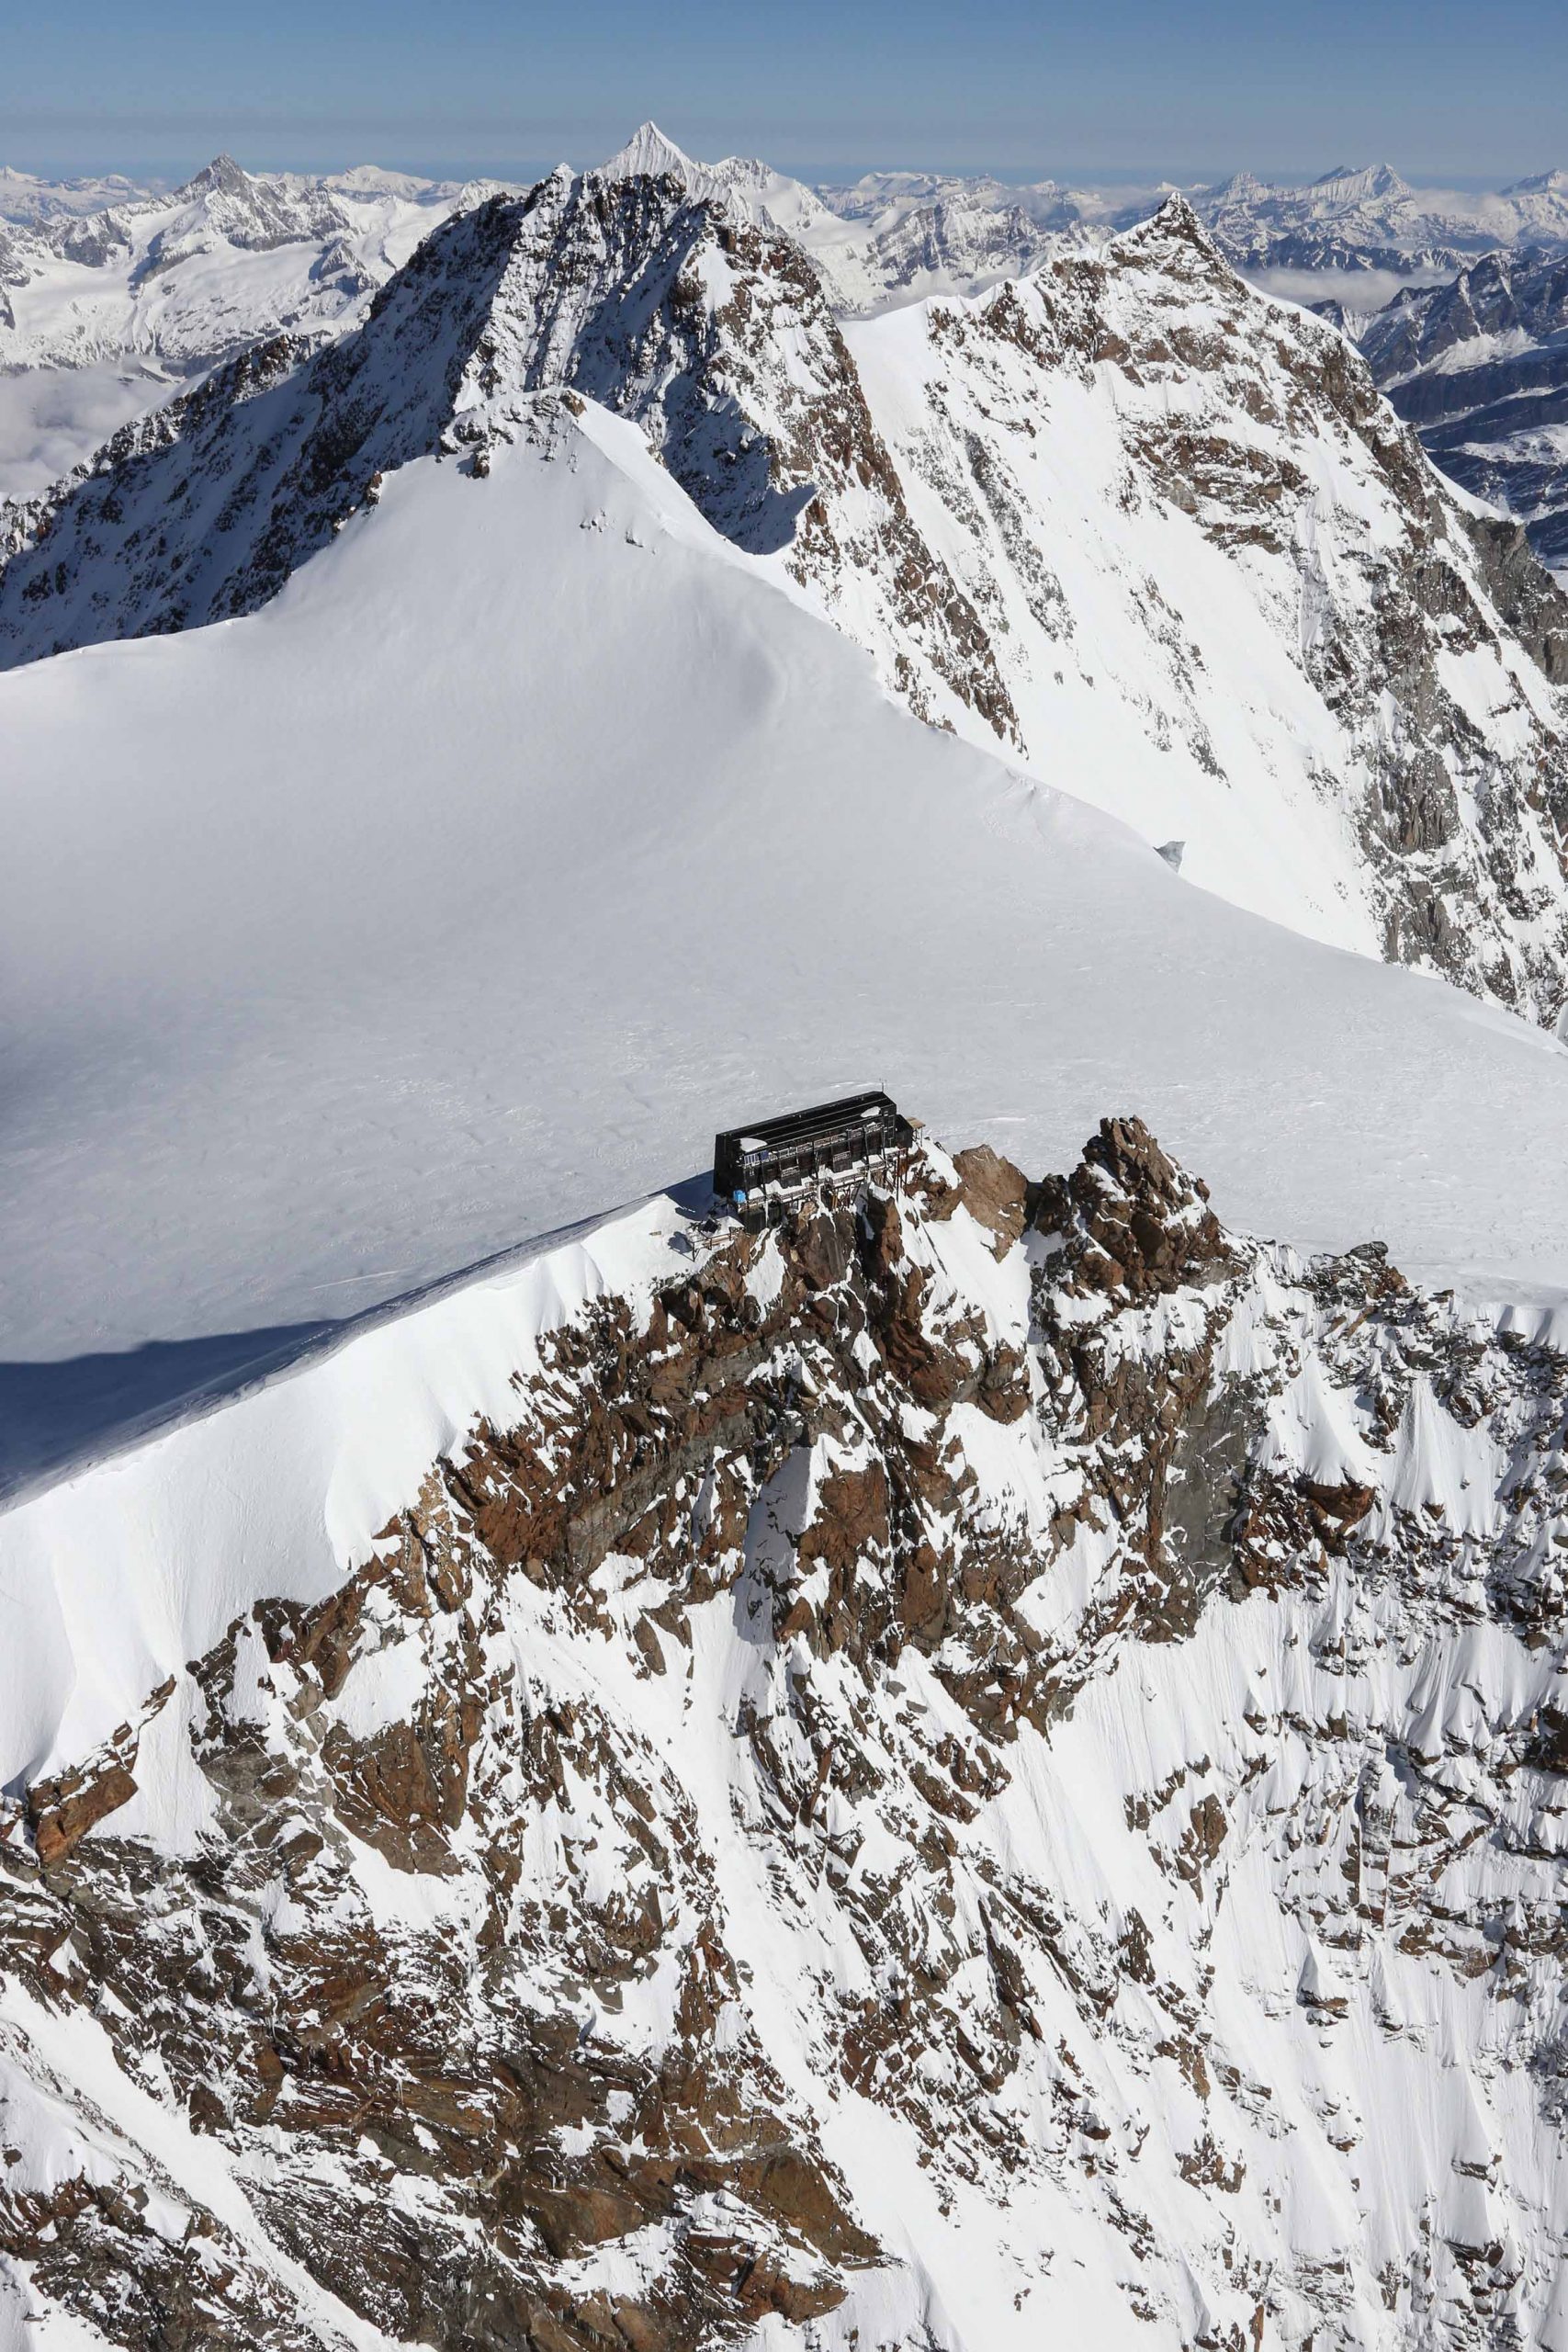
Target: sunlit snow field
x=533, y=833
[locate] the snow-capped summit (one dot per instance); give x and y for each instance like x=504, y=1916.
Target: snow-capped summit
x=1369, y=183
x=739, y=374
x=222, y=175
x=372, y=180
x=750, y=188
x=1554, y=183
x=222, y=203
x=1246, y=570
x=1229, y=454
x=648, y=151
x=1240, y=187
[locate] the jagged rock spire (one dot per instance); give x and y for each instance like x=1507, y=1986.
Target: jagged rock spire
x=222, y=175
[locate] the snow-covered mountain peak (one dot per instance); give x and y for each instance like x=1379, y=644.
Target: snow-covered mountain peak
x=736, y=369
x=1230, y=458
x=1203, y=416
x=648, y=151
x=1366, y=183
x=225, y=202
x=373, y=180
x=1239, y=187
x=1552, y=183
x=222, y=175
x=1157, y=243
x=751, y=189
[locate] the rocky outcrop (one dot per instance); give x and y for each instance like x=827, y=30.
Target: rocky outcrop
x=1525, y=594
x=1013, y=1692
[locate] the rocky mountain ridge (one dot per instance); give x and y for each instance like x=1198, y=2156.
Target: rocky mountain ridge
x=1128, y=519
x=108, y=276
x=990, y=1762
x=712, y=332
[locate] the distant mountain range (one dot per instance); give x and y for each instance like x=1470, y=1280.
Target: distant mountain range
x=1479, y=364
x=103, y=270
x=136, y=288
x=887, y=237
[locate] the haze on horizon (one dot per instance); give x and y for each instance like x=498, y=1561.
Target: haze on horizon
x=1137, y=91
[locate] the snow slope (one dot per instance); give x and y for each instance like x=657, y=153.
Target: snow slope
x=531, y=834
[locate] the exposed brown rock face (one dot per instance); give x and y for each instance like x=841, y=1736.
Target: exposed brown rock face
x=992, y=1190
x=749, y=1631
x=1128, y=1219
x=62, y=1812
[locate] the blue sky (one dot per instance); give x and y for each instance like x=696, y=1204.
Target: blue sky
x=1118, y=87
